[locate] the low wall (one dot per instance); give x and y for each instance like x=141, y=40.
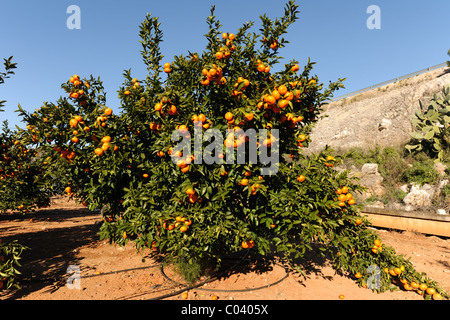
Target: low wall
x=426, y=223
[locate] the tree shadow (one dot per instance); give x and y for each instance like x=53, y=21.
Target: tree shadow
x=310, y=263
x=51, y=252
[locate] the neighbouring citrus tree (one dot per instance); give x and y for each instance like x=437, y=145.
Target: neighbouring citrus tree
x=191, y=209
x=12, y=190
x=21, y=185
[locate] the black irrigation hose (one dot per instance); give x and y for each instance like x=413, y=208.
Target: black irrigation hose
x=186, y=287
x=55, y=279
x=196, y=286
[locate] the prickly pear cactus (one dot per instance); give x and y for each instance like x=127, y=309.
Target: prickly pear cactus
x=431, y=126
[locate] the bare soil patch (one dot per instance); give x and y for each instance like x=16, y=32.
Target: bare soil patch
x=66, y=235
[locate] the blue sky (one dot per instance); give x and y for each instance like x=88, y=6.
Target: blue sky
x=413, y=35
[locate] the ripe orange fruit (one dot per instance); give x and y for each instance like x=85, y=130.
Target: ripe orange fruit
x=188, y=222
x=270, y=100
x=283, y=103
x=358, y=221
x=423, y=287
x=183, y=228
x=106, y=139
x=407, y=287
x=193, y=198
x=282, y=89
x=358, y=275
x=243, y=182
x=301, y=178
x=105, y=146
x=173, y=110
x=75, y=139
x=184, y=295
x=414, y=285
x=341, y=296
x=126, y=92
x=202, y=118
x=431, y=291
x=377, y=243
x=344, y=189
x=231, y=36
x=397, y=271
x=214, y=297
x=229, y=116
x=248, y=116
x=145, y=175
x=295, y=68
x=437, y=296
x=99, y=151
x=73, y=123
x=351, y=201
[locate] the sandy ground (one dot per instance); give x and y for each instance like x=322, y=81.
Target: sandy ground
x=64, y=236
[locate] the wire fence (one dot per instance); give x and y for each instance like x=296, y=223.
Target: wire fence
x=410, y=75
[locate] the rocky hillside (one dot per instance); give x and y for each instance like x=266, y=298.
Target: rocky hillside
x=380, y=116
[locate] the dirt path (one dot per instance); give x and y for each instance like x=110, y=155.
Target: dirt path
x=65, y=235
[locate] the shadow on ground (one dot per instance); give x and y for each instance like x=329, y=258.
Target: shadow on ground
x=52, y=250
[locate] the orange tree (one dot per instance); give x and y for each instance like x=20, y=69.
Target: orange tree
x=14, y=189
x=21, y=186
x=238, y=178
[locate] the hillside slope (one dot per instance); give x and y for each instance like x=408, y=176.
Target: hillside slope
x=380, y=116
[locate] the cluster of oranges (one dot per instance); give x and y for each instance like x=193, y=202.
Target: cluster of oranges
x=377, y=246
x=244, y=182
x=182, y=163
x=279, y=99
x=76, y=92
x=262, y=67
x=192, y=195
x=245, y=83
x=75, y=120
x=420, y=288
x=247, y=244
x=330, y=161
x=155, y=127
x=344, y=196
x=226, y=50
x=214, y=74
x=201, y=121
x=167, y=67
x=180, y=222
x=69, y=191
x=65, y=153
x=136, y=85
x=106, y=145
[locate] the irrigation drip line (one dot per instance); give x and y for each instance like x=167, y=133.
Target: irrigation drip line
x=185, y=286
x=55, y=279
x=211, y=279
